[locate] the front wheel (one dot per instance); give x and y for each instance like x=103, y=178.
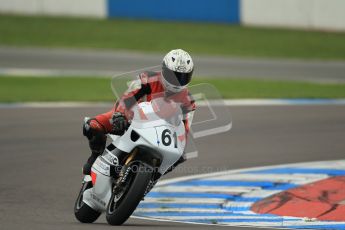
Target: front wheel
x=82, y=211
x=121, y=206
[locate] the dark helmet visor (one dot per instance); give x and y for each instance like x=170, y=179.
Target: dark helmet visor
x=176, y=78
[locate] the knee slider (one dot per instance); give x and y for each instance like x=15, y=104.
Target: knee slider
x=87, y=132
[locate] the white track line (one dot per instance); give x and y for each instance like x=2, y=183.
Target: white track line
x=215, y=189
x=194, y=223
x=190, y=200
x=185, y=210
x=281, y=178
x=235, y=171
x=226, y=217
x=230, y=102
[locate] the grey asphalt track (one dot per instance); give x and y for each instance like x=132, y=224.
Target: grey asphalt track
x=42, y=151
x=90, y=62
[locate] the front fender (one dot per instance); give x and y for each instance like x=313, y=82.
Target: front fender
x=148, y=156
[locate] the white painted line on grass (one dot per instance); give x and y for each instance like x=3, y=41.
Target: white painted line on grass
x=228, y=102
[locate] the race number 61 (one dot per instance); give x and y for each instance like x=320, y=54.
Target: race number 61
x=166, y=138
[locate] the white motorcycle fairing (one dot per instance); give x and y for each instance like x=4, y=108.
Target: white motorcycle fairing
x=148, y=132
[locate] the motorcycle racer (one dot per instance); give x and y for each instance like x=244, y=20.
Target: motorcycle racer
x=171, y=83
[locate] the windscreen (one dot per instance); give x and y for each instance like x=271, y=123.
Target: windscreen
x=199, y=106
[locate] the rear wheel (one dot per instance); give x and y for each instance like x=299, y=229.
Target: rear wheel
x=123, y=203
x=82, y=211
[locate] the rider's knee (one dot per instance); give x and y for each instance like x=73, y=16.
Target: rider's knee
x=92, y=127
x=95, y=134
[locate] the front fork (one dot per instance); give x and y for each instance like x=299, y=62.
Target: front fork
x=120, y=181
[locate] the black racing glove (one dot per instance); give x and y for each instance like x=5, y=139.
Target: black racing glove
x=120, y=124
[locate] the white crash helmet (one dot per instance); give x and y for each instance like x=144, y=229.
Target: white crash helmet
x=177, y=70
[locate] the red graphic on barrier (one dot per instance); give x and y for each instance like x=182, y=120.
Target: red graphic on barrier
x=323, y=200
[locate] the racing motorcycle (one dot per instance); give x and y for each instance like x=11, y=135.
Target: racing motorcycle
x=132, y=163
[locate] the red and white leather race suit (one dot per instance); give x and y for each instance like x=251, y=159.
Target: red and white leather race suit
x=147, y=87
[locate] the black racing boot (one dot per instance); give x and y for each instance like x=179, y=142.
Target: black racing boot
x=97, y=140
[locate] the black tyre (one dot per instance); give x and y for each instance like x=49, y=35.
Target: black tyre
x=119, y=211
x=82, y=211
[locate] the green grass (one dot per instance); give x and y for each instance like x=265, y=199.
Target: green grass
x=246, y=88
x=198, y=38
x=26, y=89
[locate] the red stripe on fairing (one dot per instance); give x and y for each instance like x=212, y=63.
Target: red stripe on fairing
x=142, y=114
x=324, y=200
x=181, y=137
x=93, y=177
